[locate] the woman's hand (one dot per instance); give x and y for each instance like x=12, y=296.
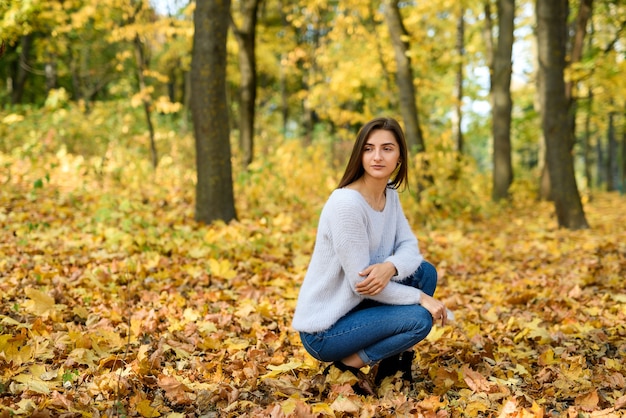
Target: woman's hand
x=437, y=309
x=376, y=278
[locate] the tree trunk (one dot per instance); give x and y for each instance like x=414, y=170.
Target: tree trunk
x=584, y=14
x=246, y=35
x=587, y=144
x=19, y=78
x=404, y=77
x=623, y=178
x=611, y=154
x=552, y=41
x=544, y=175
x=600, y=172
x=488, y=34
x=145, y=97
x=50, y=70
x=371, y=24
x=457, y=116
x=502, y=103
x=214, y=187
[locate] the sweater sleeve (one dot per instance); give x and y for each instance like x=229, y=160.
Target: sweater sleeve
x=406, y=255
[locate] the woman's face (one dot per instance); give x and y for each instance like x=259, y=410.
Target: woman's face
x=381, y=154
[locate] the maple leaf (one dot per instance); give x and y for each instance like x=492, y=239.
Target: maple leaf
x=476, y=381
x=343, y=404
x=588, y=401
x=283, y=368
x=175, y=391
x=146, y=409
x=39, y=303
x=221, y=268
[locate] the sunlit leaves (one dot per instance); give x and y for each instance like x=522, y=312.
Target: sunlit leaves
x=114, y=299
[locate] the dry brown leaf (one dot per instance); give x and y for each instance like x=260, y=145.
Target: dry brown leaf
x=477, y=382
x=175, y=391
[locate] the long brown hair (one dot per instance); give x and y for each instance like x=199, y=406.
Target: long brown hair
x=354, y=169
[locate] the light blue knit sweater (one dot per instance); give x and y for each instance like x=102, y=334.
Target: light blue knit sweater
x=351, y=236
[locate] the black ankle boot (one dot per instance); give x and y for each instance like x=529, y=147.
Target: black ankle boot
x=406, y=365
x=387, y=367
x=363, y=386
x=397, y=363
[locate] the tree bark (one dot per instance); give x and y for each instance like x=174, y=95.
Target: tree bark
x=246, y=35
x=501, y=101
x=623, y=177
x=145, y=97
x=488, y=34
x=587, y=144
x=404, y=77
x=457, y=116
x=19, y=78
x=214, y=187
x=552, y=42
x=600, y=171
x=611, y=154
x=584, y=14
x=50, y=69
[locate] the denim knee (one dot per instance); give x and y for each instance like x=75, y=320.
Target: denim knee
x=429, y=271
x=422, y=323
x=428, y=275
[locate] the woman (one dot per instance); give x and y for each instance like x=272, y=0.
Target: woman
x=367, y=297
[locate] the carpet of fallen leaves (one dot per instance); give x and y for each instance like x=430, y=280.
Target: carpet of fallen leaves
x=116, y=303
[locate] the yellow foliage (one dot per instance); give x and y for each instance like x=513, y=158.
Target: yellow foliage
x=111, y=287
x=39, y=303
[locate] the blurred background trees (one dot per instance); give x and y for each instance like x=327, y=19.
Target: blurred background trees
x=91, y=74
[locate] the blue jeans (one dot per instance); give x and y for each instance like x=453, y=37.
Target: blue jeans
x=375, y=330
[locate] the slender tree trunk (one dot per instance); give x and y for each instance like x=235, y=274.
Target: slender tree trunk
x=76, y=85
x=587, y=144
x=502, y=103
x=214, y=187
x=611, y=154
x=552, y=41
x=145, y=97
x=282, y=81
x=457, y=116
x=284, y=97
x=171, y=86
x=50, y=69
x=19, y=79
x=623, y=177
x=600, y=171
x=308, y=113
x=584, y=14
x=372, y=26
x=404, y=77
x=308, y=80
x=488, y=34
x=246, y=35
x=587, y=150
x=545, y=188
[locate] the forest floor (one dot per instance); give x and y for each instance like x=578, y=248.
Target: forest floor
x=116, y=303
